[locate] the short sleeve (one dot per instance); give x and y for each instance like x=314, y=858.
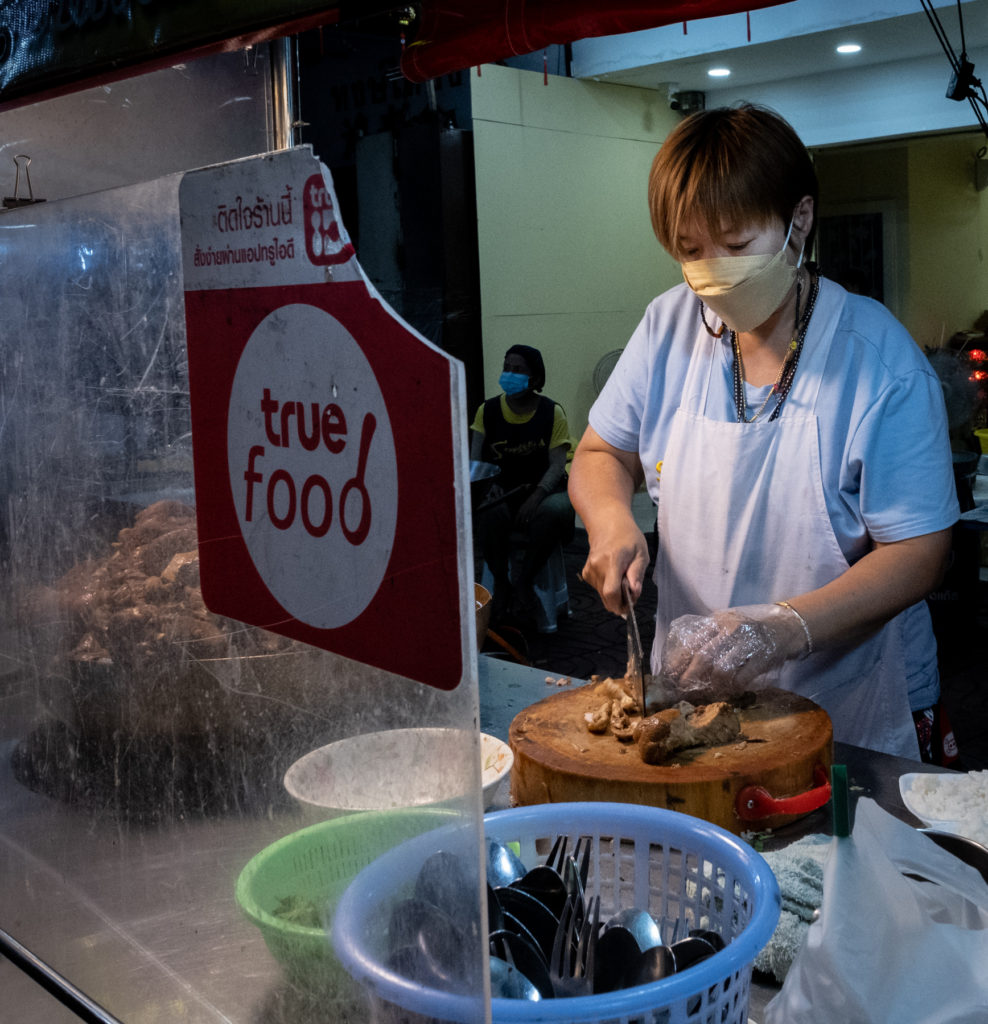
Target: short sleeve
x=560, y=428
x=616, y=415
x=902, y=452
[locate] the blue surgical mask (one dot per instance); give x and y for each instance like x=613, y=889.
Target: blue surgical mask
x=513, y=383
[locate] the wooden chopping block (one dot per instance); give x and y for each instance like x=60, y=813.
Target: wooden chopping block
x=776, y=772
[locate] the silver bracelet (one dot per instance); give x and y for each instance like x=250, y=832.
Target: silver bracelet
x=802, y=622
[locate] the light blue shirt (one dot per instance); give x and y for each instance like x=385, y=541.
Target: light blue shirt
x=884, y=447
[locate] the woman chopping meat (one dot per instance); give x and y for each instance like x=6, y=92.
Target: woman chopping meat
x=794, y=439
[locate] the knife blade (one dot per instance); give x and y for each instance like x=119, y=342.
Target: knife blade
x=636, y=671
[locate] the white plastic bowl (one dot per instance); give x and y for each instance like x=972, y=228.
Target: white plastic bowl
x=394, y=768
x=906, y=783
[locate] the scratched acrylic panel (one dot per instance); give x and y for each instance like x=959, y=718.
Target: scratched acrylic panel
x=143, y=740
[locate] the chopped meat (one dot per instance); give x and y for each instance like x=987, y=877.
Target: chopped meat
x=716, y=723
x=661, y=735
x=622, y=726
x=612, y=688
x=141, y=606
x=183, y=568
x=617, y=712
x=598, y=721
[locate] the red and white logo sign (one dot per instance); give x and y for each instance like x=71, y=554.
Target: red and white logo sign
x=325, y=244
x=324, y=430
x=311, y=460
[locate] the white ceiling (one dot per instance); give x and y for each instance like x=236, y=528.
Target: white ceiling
x=792, y=56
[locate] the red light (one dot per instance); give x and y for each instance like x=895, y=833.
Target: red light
x=979, y=375
x=977, y=355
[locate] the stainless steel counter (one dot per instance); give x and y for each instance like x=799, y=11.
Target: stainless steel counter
x=141, y=916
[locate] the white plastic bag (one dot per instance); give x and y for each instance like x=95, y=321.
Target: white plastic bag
x=887, y=947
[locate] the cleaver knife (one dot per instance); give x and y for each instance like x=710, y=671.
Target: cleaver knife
x=636, y=672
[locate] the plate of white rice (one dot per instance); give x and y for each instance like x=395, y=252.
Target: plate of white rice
x=949, y=801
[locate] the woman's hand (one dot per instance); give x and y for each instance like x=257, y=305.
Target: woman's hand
x=727, y=651
x=616, y=552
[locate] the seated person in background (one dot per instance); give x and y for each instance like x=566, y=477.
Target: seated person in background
x=526, y=435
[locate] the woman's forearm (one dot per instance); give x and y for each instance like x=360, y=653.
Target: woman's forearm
x=602, y=483
x=876, y=588
x=602, y=480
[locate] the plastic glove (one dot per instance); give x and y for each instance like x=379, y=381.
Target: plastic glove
x=730, y=651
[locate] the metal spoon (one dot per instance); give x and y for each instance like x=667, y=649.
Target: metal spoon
x=426, y=945
x=547, y=883
x=714, y=938
x=616, y=949
x=526, y=956
x=507, y=982
x=640, y=924
x=653, y=964
x=411, y=963
x=503, y=864
x=691, y=951
x=443, y=881
x=495, y=916
x=532, y=913
x=512, y=924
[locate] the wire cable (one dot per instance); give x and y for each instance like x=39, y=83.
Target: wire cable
x=963, y=69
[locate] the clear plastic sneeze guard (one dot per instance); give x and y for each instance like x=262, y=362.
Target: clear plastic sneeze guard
x=150, y=850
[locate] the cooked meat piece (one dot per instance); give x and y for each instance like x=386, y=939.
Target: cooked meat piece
x=141, y=607
x=622, y=726
x=160, y=591
x=154, y=556
x=168, y=510
x=659, y=736
x=612, y=688
x=598, y=721
x=652, y=737
x=89, y=649
x=618, y=691
x=157, y=519
x=183, y=569
x=715, y=724
x=618, y=712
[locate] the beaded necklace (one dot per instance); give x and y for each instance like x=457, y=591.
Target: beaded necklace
x=787, y=371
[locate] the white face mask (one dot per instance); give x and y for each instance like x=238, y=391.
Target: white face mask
x=744, y=291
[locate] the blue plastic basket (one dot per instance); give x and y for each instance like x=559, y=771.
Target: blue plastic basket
x=686, y=872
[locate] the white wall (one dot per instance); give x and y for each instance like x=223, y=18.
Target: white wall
x=568, y=260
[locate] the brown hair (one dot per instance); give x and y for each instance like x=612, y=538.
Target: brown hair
x=729, y=166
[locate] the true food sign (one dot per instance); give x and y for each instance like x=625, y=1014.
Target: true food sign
x=326, y=432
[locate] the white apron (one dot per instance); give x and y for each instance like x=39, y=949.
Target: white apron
x=743, y=520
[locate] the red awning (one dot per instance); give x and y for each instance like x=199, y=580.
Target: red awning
x=458, y=34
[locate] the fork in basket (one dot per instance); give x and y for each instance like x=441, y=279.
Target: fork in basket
x=571, y=964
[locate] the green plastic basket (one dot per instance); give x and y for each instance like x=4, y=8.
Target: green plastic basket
x=312, y=868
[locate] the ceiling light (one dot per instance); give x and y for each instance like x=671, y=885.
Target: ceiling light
x=849, y=48
x=719, y=72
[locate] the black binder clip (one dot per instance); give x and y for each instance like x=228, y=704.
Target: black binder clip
x=17, y=200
